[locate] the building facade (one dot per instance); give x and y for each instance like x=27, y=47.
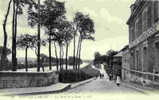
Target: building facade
x=117, y=65
x=125, y=63
x=144, y=37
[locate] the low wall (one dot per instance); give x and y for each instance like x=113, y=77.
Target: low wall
x=142, y=78
x=27, y=79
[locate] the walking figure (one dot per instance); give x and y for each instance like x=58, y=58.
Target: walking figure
x=118, y=81
x=110, y=76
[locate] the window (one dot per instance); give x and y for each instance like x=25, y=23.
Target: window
x=144, y=59
x=136, y=28
x=140, y=25
x=157, y=56
x=144, y=20
x=131, y=33
x=137, y=60
x=149, y=17
x=156, y=11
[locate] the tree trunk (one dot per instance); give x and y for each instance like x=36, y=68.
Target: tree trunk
x=50, y=53
x=26, y=59
x=77, y=55
x=62, y=54
x=15, y=39
x=74, y=52
x=57, y=62
x=80, y=54
x=42, y=63
x=66, y=56
x=61, y=68
x=14, y=60
x=4, y=51
x=39, y=39
x=60, y=57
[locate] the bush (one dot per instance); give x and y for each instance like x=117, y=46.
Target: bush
x=71, y=76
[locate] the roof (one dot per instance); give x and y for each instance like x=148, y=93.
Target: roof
x=125, y=48
x=119, y=54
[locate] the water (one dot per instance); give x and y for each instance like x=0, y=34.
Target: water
x=53, y=68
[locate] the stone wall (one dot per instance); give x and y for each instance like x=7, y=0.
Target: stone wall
x=27, y=79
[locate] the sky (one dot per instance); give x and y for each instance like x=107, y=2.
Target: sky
x=109, y=16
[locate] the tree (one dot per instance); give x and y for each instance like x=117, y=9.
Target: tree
x=35, y=47
x=8, y=51
x=111, y=53
x=97, y=55
x=4, y=51
x=43, y=58
x=55, y=40
x=68, y=31
x=14, y=59
x=26, y=41
x=57, y=61
x=52, y=10
x=45, y=15
x=35, y=42
x=69, y=37
x=34, y=18
x=74, y=45
x=85, y=26
x=17, y=10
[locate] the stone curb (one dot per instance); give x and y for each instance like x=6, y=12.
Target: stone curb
x=74, y=85
x=69, y=86
x=46, y=92
x=36, y=92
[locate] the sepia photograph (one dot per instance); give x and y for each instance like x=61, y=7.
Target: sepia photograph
x=79, y=49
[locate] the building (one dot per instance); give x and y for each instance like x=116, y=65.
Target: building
x=117, y=65
x=125, y=63
x=144, y=40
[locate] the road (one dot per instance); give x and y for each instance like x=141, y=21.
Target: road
x=102, y=86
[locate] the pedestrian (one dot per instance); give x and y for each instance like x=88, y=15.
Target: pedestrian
x=110, y=76
x=118, y=80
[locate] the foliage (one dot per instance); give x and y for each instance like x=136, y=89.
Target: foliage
x=97, y=54
x=84, y=23
x=111, y=53
x=65, y=31
x=29, y=41
x=70, y=76
x=49, y=11
x=26, y=40
x=8, y=50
